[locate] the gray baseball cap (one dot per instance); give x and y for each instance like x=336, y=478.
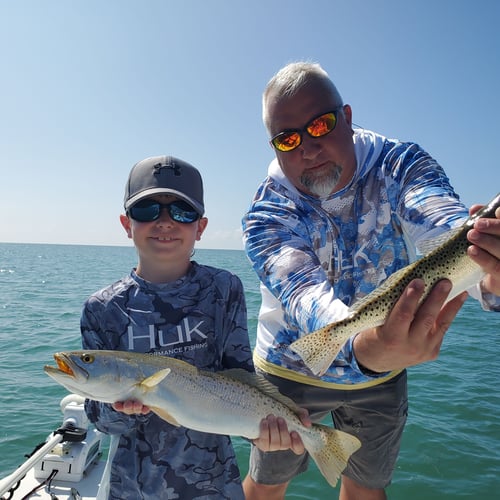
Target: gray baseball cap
x=164, y=175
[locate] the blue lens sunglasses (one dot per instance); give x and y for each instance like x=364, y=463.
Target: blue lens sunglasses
x=150, y=210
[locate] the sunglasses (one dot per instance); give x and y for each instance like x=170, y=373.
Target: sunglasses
x=291, y=139
x=150, y=210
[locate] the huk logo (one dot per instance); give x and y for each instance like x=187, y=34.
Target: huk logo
x=157, y=338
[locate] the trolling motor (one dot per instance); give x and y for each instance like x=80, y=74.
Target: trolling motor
x=67, y=452
x=78, y=448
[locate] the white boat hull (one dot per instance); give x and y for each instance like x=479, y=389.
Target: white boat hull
x=68, y=465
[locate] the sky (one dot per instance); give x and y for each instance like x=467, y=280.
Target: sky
x=90, y=87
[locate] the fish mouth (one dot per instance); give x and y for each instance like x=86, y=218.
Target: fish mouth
x=66, y=367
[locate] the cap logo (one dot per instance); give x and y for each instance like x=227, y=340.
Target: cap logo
x=174, y=167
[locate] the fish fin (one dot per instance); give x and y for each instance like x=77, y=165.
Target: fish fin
x=153, y=380
x=425, y=247
x=241, y=375
x=162, y=413
x=332, y=457
x=319, y=348
x=261, y=384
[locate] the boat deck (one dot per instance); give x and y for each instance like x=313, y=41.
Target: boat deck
x=86, y=489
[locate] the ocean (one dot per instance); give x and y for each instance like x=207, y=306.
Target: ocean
x=451, y=445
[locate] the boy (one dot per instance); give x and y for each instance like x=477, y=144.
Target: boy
x=167, y=306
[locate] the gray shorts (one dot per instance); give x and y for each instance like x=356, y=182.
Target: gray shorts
x=376, y=416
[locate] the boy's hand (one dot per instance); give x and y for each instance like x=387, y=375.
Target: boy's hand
x=131, y=407
x=274, y=434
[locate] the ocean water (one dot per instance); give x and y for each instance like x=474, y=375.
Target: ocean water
x=451, y=445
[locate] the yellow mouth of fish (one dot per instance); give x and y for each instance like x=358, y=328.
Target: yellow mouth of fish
x=63, y=365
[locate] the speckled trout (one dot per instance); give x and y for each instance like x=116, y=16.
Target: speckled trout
x=232, y=402
x=445, y=257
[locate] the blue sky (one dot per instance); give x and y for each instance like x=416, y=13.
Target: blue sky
x=90, y=87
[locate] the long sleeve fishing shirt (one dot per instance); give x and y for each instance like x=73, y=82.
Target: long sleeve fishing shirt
x=316, y=257
x=200, y=319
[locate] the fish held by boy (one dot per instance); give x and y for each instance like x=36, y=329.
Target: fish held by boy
x=231, y=402
x=447, y=258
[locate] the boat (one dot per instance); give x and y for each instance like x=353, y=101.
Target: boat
x=68, y=466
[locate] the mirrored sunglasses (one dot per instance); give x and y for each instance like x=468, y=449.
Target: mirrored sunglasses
x=290, y=139
x=150, y=210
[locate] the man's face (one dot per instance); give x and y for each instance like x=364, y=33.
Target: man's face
x=320, y=165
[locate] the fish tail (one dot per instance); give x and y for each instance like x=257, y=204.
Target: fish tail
x=331, y=458
x=318, y=349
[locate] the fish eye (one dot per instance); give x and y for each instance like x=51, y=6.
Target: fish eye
x=87, y=358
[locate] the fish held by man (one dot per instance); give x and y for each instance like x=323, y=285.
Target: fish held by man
x=447, y=258
x=232, y=402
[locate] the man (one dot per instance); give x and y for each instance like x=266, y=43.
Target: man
x=339, y=212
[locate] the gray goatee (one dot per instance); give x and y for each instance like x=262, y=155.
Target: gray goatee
x=322, y=184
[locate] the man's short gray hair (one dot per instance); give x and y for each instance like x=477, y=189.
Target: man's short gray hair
x=293, y=77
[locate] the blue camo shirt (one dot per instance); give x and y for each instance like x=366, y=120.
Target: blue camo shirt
x=316, y=257
x=200, y=319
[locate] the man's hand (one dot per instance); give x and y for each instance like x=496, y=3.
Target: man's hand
x=131, y=407
x=274, y=434
x=485, y=249
x=412, y=334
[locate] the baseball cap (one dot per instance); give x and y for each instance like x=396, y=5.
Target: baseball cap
x=165, y=175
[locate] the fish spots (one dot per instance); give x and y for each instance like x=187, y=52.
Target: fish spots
x=448, y=260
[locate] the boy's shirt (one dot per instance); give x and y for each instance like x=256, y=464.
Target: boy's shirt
x=201, y=319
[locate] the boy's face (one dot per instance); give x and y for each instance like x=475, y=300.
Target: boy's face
x=163, y=245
